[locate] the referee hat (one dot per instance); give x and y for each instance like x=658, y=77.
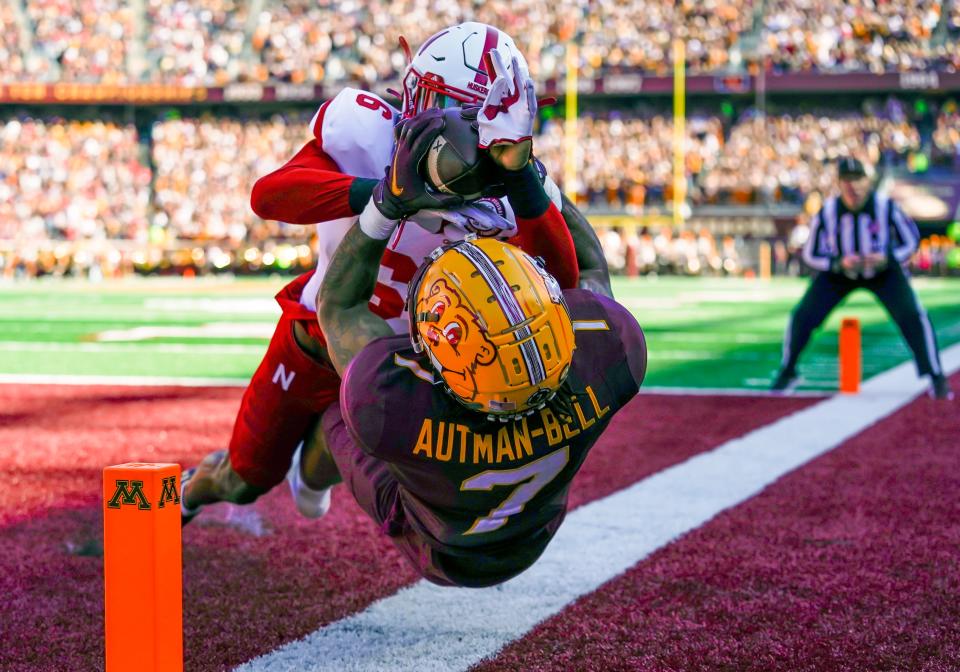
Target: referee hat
x=849, y=168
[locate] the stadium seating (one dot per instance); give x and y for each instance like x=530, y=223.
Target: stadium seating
x=183, y=183
x=215, y=42
x=204, y=169
x=779, y=158
x=80, y=182
x=196, y=43
x=854, y=36
x=82, y=41
x=946, y=136
x=71, y=180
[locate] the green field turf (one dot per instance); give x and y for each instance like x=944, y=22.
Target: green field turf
x=701, y=332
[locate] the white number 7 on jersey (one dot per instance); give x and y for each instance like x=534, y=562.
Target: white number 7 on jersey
x=531, y=477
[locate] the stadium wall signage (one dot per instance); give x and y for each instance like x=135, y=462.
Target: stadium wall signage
x=614, y=83
x=619, y=83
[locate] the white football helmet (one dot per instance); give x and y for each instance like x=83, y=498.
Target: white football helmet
x=449, y=69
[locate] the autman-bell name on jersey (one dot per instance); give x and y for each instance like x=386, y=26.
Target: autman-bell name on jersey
x=446, y=441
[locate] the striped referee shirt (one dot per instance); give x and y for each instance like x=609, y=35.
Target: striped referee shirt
x=879, y=226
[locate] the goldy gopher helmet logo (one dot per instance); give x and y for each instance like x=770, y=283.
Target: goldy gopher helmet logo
x=455, y=338
x=493, y=323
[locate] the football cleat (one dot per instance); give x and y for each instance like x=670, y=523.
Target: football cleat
x=310, y=503
x=493, y=324
x=450, y=69
x=187, y=514
x=785, y=382
x=940, y=388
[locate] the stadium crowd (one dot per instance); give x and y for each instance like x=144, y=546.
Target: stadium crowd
x=663, y=251
x=641, y=251
x=71, y=180
x=627, y=162
x=946, y=135
x=11, y=55
x=214, y=42
x=79, y=40
x=858, y=36
x=196, y=43
x=98, y=187
x=204, y=169
x=196, y=182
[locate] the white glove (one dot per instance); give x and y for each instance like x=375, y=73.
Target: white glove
x=510, y=107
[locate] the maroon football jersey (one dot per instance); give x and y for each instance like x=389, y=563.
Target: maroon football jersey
x=488, y=495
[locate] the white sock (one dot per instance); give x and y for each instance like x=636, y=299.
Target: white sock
x=319, y=499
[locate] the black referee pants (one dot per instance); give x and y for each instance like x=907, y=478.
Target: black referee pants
x=893, y=290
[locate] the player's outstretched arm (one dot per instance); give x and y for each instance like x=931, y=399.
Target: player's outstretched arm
x=342, y=304
x=594, y=272
x=309, y=188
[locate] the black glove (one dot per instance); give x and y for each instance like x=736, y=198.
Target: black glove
x=402, y=191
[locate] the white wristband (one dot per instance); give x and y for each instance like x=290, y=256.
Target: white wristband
x=374, y=224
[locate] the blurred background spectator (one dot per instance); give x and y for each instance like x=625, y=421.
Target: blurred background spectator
x=204, y=170
x=946, y=136
x=195, y=42
x=186, y=183
x=855, y=36
x=153, y=190
x=71, y=180
x=82, y=40
x=215, y=42
x=628, y=162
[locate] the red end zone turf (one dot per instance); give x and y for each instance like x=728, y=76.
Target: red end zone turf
x=254, y=577
x=850, y=563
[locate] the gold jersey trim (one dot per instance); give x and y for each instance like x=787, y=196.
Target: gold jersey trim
x=414, y=367
x=590, y=325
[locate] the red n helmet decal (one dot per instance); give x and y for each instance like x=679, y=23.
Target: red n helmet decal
x=490, y=42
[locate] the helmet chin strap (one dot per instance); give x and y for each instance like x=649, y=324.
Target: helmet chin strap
x=406, y=49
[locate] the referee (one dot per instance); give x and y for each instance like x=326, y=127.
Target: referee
x=860, y=240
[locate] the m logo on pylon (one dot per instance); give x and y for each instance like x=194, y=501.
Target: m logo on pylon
x=169, y=493
x=130, y=492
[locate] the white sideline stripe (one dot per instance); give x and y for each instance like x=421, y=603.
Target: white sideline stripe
x=172, y=381
x=728, y=392
x=119, y=381
x=425, y=627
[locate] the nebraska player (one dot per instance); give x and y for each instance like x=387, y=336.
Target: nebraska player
x=338, y=179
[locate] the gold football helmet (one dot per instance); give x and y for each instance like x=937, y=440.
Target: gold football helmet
x=494, y=324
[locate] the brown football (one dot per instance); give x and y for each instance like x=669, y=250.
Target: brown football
x=454, y=164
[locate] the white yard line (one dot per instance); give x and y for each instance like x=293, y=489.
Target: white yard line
x=119, y=381
x=207, y=349
x=424, y=627
x=212, y=330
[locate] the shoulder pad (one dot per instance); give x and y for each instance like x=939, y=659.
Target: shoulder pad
x=355, y=129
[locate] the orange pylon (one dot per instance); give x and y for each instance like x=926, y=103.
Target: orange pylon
x=850, y=356
x=143, y=568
